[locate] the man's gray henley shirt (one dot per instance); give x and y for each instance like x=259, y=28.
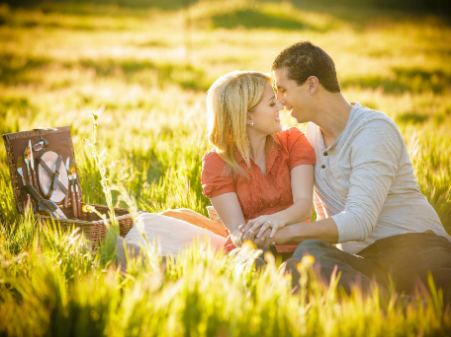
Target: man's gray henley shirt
x=365, y=182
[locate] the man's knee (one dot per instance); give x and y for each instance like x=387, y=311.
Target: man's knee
x=312, y=247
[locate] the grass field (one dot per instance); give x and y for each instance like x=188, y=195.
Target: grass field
x=149, y=68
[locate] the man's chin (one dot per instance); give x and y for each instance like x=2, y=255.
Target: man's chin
x=297, y=118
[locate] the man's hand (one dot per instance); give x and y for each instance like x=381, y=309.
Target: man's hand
x=258, y=226
x=265, y=240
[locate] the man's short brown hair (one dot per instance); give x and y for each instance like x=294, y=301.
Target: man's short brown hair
x=302, y=60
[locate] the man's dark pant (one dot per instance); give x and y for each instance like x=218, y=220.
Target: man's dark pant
x=405, y=259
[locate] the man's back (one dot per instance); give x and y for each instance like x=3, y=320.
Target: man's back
x=365, y=182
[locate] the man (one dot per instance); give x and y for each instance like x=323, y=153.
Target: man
x=366, y=195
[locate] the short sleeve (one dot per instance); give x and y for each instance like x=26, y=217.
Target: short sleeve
x=299, y=149
x=214, y=180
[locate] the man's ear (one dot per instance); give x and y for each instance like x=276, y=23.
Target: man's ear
x=312, y=84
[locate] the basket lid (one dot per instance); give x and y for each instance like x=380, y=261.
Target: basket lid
x=57, y=140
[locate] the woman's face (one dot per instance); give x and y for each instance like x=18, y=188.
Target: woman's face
x=265, y=115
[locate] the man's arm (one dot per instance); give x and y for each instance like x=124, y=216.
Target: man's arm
x=324, y=230
x=374, y=159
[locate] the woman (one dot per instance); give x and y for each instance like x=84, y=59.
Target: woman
x=257, y=175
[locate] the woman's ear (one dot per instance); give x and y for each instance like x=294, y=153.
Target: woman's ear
x=313, y=84
x=248, y=119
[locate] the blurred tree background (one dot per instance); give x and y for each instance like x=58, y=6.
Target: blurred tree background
x=433, y=6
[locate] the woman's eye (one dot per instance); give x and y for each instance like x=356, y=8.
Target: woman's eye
x=272, y=104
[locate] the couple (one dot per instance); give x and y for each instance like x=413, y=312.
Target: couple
x=261, y=179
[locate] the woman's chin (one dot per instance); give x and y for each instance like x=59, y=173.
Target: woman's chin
x=278, y=127
x=274, y=129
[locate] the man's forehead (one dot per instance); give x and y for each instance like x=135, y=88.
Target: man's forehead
x=280, y=77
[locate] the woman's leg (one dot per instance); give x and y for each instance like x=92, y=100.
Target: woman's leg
x=196, y=219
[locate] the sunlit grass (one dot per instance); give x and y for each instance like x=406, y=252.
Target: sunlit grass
x=59, y=62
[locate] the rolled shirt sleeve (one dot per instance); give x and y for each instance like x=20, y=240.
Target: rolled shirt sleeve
x=375, y=154
x=215, y=181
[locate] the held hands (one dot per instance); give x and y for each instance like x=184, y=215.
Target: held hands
x=263, y=241
x=261, y=230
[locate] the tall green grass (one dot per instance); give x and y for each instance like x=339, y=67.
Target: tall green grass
x=59, y=62
x=55, y=288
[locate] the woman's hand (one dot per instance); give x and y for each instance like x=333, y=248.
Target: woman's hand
x=236, y=238
x=256, y=227
x=265, y=240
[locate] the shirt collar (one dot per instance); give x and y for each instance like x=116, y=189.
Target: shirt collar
x=272, y=152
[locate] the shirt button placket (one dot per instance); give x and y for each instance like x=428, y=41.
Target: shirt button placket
x=325, y=154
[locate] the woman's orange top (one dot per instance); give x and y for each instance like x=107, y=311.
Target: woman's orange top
x=257, y=194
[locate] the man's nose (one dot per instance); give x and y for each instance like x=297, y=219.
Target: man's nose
x=280, y=98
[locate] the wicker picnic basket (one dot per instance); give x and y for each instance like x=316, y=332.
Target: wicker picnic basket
x=59, y=140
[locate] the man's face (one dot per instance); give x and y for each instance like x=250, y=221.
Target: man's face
x=294, y=97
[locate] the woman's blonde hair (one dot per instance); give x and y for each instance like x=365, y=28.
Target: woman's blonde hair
x=228, y=101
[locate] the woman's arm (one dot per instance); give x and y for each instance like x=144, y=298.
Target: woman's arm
x=302, y=189
x=229, y=210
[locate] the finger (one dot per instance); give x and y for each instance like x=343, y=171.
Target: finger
x=251, y=222
x=267, y=243
x=257, y=224
x=263, y=229
x=265, y=239
x=249, y=236
x=274, y=230
x=247, y=227
x=245, y=236
x=242, y=236
x=257, y=241
x=242, y=227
